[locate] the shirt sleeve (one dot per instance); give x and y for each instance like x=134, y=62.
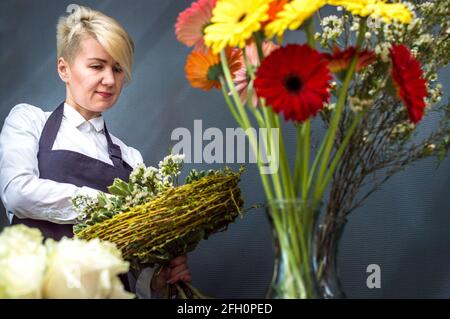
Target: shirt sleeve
x=143, y=283
x=22, y=191
x=129, y=154
x=135, y=156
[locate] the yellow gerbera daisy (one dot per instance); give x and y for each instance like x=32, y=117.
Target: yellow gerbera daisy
x=376, y=9
x=292, y=16
x=356, y=7
x=234, y=21
x=393, y=11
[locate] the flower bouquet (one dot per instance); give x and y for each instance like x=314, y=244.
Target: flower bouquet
x=387, y=140
x=238, y=48
x=152, y=219
x=70, y=268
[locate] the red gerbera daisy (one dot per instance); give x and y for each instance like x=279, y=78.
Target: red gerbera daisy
x=340, y=60
x=192, y=21
x=410, y=85
x=294, y=80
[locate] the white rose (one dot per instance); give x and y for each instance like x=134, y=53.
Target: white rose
x=84, y=269
x=22, y=262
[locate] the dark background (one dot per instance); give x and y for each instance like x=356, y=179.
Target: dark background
x=404, y=227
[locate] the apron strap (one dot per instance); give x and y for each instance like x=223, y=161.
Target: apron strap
x=51, y=129
x=115, y=154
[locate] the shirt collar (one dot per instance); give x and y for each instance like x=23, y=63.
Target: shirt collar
x=76, y=119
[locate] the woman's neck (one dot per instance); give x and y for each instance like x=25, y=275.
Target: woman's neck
x=88, y=115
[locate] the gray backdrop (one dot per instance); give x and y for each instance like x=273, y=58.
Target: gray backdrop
x=403, y=227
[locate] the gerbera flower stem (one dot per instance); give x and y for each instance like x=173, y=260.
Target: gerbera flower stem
x=341, y=149
x=310, y=33
x=259, y=119
x=229, y=103
x=306, y=137
x=315, y=164
x=270, y=124
x=286, y=176
x=296, y=244
x=245, y=123
x=259, y=39
x=285, y=170
x=331, y=134
x=250, y=88
x=265, y=122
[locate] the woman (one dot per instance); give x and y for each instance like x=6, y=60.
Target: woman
x=48, y=158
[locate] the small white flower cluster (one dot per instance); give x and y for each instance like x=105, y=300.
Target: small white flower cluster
x=387, y=33
x=366, y=73
x=424, y=39
x=394, y=32
x=83, y=205
x=144, y=184
x=138, y=196
x=401, y=130
x=171, y=165
x=415, y=25
x=145, y=175
x=332, y=27
x=434, y=94
x=374, y=25
x=382, y=51
x=358, y=105
x=150, y=175
x=149, y=181
x=355, y=24
x=365, y=136
x=329, y=106
x=429, y=148
x=429, y=7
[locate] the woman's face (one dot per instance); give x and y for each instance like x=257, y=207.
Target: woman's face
x=93, y=81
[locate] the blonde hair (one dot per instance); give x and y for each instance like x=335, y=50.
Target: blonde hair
x=107, y=31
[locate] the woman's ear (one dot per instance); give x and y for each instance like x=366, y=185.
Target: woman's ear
x=63, y=70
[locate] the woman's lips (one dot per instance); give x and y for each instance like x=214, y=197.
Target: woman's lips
x=105, y=94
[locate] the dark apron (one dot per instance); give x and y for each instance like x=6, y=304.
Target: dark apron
x=74, y=168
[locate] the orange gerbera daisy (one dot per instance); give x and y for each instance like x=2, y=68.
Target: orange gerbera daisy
x=274, y=7
x=203, y=70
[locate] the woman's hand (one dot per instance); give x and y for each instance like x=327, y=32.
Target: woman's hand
x=179, y=270
x=176, y=270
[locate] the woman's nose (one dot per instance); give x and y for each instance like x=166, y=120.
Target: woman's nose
x=108, y=77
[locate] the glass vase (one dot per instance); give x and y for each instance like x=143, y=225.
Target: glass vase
x=326, y=243
x=293, y=222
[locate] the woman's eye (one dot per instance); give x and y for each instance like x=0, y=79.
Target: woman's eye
x=100, y=67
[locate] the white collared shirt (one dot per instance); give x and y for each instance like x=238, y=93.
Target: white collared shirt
x=21, y=189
